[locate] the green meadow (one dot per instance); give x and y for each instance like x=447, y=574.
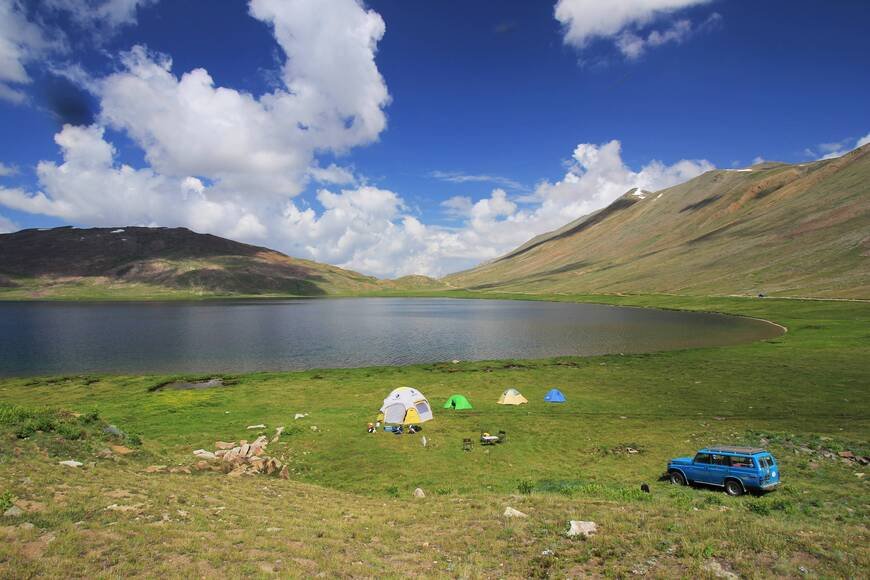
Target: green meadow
x=348, y=509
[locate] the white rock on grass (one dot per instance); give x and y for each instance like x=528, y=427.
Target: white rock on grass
x=203, y=454
x=300, y=415
x=510, y=512
x=581, y=528
x=14, y=512
x=72, y=463
x=419, y=493
x=260, y=426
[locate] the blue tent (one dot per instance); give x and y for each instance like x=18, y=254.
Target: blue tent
x=555, y=396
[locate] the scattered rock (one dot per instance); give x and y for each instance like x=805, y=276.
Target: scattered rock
x=224, y=445
x=300, y=415
x=112, y=430
x=314, y=427
x=124, y=508
x=105, y=453
x=419, y=493
x=72, y=463
x=121, y=450
x=510, y=512
x=424, y=441
x=183, y=469
x=203, y=454
x=14, y=512
x=26, y=526
x=547, y=553
x=716, y=569
x=273, y=530
x=202, y=465
x=846, y=454
x=260, y=426
x=155, y=469
x=455, y=361
x=278, y=431
x=581, y=528
x=285, y=473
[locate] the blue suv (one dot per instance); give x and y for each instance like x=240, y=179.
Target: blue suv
x=737, y=469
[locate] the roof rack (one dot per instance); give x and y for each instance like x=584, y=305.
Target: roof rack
x=736, y=449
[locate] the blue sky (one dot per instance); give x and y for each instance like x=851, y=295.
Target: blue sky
x=401, y=137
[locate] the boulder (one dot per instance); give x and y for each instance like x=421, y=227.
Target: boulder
x=203, y=454
x=285, y=473
x=183, y=469
x=510, y=512
x=14, y=512
x=72, y=463
x=581, y=528
x=224, y=445
x=846, y=454
x=202, y=466
x=112, y=430
x=155, y=469
x=245, y=450
x=419, y=493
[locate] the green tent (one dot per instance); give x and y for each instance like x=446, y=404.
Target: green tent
x=457, y=402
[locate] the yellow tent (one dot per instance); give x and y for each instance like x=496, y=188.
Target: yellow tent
x=406, y=406
x=512, y=397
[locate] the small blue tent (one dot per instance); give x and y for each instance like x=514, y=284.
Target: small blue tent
x=555, y=396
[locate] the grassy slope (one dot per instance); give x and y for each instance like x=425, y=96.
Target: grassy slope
x=337, y=513
x=789, y=230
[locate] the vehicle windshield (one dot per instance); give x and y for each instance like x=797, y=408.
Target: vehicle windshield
x=765, y=462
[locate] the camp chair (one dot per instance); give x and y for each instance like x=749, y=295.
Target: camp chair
x=488, y=440
x=467, y=444
x=502, y=437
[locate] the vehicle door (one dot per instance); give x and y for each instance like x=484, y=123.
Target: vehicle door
x=743, y=467
x=698, y=470
x=718, y=469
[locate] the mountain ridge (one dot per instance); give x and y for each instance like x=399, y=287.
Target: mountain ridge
x=774, y=228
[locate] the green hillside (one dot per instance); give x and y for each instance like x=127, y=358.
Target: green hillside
x=778, y=229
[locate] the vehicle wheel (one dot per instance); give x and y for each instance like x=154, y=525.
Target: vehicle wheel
x=733, y=488
x=678, y=478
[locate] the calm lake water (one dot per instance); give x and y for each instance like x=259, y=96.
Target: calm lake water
x=239, y=336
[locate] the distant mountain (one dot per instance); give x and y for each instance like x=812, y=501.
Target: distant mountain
x=157, y=262
x=774, y=228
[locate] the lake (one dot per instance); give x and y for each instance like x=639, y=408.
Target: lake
x=253, y=335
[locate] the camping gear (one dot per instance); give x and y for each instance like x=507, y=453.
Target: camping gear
x=502, y=437
x=467, y=445
x=487, y=439
x=406, y=406
x=457, y=403
x=512, y=397
x=555, y=396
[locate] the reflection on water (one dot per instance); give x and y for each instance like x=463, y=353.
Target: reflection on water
x=239, y=336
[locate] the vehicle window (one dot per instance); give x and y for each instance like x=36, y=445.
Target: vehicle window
x=702, y=458
x=738, y=461
x=721, y=460
x=764, y=462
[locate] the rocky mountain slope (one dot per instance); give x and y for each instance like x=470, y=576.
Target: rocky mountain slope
x=774, y=228
x=155, y=261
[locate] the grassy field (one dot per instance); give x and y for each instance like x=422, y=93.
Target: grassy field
x=348, y=509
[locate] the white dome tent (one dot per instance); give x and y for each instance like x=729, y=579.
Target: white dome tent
x=406, y=406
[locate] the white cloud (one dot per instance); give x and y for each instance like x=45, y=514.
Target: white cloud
x=368, y=229
x=332, y=174
x=7, y=170
x=836, y=148
x=333, y=100
x=20, y=43
x=104, y=16
x=623, y=22
x=460, y=177
x=7, y=225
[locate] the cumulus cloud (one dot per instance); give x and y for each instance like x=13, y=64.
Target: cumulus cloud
x=370, y=229
x=624, y=23
x=836, y=149
x=21, y=42
x=332, y=100
x=7, y=170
